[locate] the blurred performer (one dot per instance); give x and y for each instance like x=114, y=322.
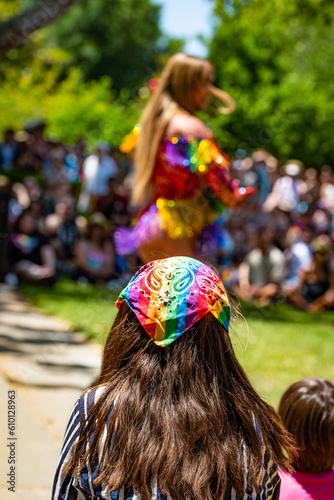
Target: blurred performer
x=181, y=180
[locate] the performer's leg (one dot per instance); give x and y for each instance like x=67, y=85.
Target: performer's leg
x=161, y=248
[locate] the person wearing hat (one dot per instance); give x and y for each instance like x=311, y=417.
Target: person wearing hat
x=94, y=254
x=173, y=415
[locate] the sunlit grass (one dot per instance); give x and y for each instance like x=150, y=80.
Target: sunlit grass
x=282, y=345
x=285, y=346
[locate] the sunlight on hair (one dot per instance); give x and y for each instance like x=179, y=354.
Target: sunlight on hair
x=238, y=321
x=174, y=93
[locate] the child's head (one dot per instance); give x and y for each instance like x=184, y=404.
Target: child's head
x=307, y=411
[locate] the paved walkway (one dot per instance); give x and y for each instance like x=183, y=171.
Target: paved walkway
x=48, y=367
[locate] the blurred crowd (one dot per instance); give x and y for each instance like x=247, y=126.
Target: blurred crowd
x=63, y=207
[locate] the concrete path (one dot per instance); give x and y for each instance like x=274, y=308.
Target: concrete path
x=48, y=367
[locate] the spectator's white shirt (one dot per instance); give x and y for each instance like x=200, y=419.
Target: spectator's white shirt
x=328, y=196
x=303, y=253
x=288, y=191
x=297, y=258
x=97, y=173
x=265, y=269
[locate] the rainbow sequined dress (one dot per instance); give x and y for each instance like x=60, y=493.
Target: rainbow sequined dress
x=191, y=187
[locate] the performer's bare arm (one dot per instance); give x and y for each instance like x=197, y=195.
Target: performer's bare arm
x=184, y=124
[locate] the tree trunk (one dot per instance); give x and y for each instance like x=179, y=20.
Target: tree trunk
x=15, y=31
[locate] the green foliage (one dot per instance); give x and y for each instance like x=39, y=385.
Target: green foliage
x=275, y=58
x=8, y=8
x=34, y=84
x=118, y=38
x=71, y=109
x=17, y=59
x=89, y=110
x=85, y=72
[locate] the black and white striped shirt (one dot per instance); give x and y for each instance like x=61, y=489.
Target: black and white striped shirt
x=82, y=487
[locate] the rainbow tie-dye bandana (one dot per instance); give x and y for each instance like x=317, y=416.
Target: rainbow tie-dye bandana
x=168, y=296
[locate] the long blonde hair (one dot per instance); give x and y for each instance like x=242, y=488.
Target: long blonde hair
x=180, y=75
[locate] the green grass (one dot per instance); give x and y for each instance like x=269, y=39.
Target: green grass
x=279, y=346
x=285, y=346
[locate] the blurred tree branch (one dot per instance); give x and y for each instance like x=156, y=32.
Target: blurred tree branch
x=16, y=30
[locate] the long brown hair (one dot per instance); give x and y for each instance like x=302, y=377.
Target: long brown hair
x=174, y=93
x=307, y=411
x=183, y=414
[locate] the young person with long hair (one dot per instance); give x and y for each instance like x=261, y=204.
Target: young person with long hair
x=181, y=180
x=173, y=414
x=307, y=411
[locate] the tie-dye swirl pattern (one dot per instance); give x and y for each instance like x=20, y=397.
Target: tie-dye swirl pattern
x=168, y=296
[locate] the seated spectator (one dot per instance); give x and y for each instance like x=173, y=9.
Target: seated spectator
x=263, y=177
x=37, y=147
x=327, y=189
x=247, y=175
x=298, y=257
x=261, y=271
x=98, y=168
x=225, y=249
x=316, y=289
x=307, y=411
x=94, y=254
x=323, y=221
x=67, y=231
x=57, y=183
x=80, y=152
x=280, y=222
x=311, y=186
x=73, y=167
x=8, y=151
x=251, y=237
x=272, y=164
x=114, y=205
x=238, y=236
x=287, y=190
x=64, y=235
x=302, y=246
x=25, y=194
x=31, y=258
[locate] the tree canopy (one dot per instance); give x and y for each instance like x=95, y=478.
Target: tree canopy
x=93, y=61
x=16, y=29
x=86, y=74
x=118, y=38
x=275, y=58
